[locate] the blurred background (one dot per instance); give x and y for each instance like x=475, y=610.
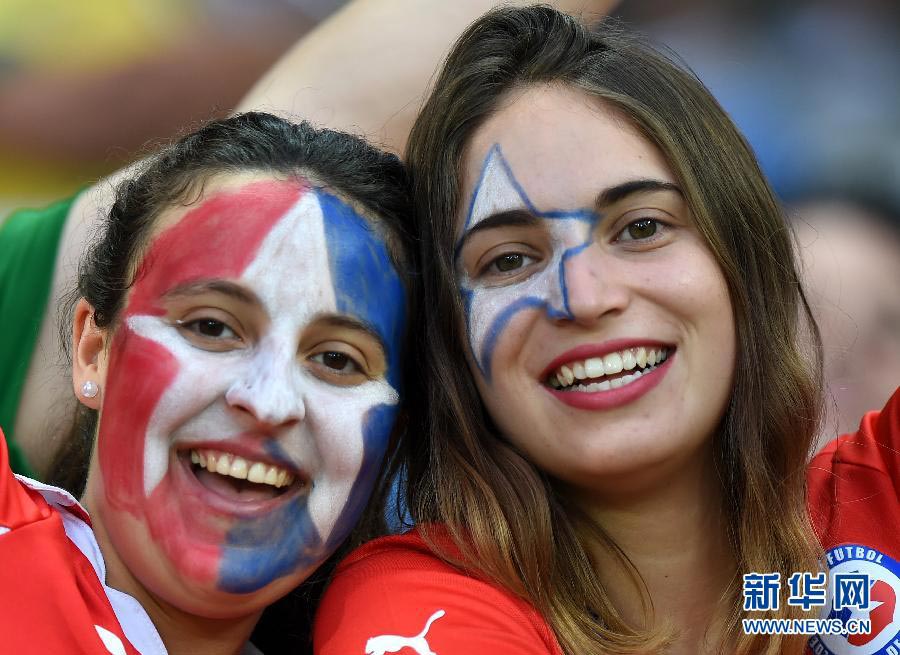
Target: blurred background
x=85, y=87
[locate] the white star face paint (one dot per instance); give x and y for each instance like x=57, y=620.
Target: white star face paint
x=247, y=337
x=489, y=308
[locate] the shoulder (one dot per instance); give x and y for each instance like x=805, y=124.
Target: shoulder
x=854, y=484
x=395, y=592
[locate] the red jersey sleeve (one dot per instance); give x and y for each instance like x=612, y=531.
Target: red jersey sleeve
x=19, y=505
x=854, y=484
x=51, y=600
x=394, y=593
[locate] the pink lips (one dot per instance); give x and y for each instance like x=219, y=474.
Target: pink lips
x=610, y=398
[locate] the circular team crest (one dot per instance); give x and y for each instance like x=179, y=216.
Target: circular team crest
x=883, y=608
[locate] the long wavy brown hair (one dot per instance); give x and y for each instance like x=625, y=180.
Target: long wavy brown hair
x=504, y=513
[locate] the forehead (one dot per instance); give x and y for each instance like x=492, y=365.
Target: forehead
x=271, y=233
x=248, y=196
x=563, y=147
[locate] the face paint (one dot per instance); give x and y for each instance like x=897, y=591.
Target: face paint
x=293, y=251
x=489, y=309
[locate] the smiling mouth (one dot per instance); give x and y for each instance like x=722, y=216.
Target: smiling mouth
x=611, y=371
x=240, y=479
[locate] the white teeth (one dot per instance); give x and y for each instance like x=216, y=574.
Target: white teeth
x=223, y=464
x=641, y=357
x=594, y=367
x=257, y=473
x=578, y=370
x=237, y=467
x=612, y=363
x=640, y=360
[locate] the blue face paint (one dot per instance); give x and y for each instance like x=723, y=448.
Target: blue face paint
x=489, y=309
x=367, y=288
x=366, y=284
x=379, y=423
x=259, y=551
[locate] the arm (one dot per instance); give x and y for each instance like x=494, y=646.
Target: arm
x=364, y=70
x=854, y=484
x=367, y=68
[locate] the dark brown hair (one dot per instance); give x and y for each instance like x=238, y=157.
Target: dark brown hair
x=504, y=513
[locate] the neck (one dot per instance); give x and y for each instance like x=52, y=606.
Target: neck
x=675, y=535
x=182, y=633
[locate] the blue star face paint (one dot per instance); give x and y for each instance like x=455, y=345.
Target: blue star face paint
x=489, y=307
x=266, y=429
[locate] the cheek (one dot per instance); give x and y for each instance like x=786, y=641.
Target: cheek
x=352, y=453
x=699, y=295
x=508, y=393
x=129, y=402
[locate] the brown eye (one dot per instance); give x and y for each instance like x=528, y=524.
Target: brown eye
x=338, y=362
x=509, y=262
x=642, y=229
x=210, y=327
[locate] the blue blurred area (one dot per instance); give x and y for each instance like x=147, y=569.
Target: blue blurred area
x=815, y=86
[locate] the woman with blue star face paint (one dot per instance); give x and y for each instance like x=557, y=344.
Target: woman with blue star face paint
x=623, y=371
x=243, y=384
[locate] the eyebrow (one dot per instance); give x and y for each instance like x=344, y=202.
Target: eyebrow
x=224, y=287
x=508, y=218
x=616, y=193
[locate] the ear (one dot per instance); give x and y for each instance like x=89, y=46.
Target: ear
x=88, y=354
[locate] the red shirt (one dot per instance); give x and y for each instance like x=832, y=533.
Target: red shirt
x=394, y=595
x=52, y=599
x=854, y=504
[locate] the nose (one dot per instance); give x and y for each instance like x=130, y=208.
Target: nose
x=595, y=285
x=270, y=389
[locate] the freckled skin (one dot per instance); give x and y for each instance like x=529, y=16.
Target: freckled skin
x=300, y=251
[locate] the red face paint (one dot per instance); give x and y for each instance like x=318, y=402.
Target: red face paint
x=217, y=240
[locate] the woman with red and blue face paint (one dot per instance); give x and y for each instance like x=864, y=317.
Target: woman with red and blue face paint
x=236, y=350
x=624, y=378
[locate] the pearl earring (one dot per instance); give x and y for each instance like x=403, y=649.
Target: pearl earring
x=89, y=389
